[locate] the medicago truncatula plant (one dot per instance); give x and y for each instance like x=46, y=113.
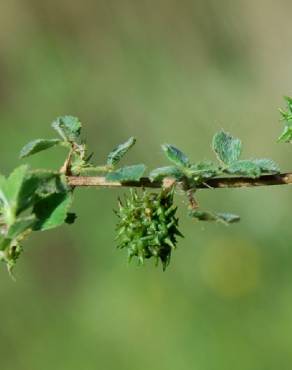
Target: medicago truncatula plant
x=147, y=227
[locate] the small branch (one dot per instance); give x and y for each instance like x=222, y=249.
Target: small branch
x=66, y=168
x=223, y=182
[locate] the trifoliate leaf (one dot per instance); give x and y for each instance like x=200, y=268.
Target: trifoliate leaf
x=120, y=151
x=129, y=173
x=226, y=218
x=227, y=148
x=246, y=168
x=68, y=127
x=267, y=165
x=52, y=211
x=38, y=146
x=175, y=155
x=162, y=172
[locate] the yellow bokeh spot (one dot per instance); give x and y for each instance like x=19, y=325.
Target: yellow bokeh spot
x=231, y=267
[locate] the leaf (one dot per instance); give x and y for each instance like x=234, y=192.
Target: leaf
x=203, y=215
x=289, y=103
x=37, y=146
x=226, y=147
x=68, y=127
x=4, y=244
x=129, y=173
x=52, y=211
x=39, y=184
x=120, y=151
x=267, y=165
x=20, y=226
x=14, y=183
x=205, y=169
x=253, y=167
x=10, y=189
x=175, y=155
x=246, y=168
x=50, y=182
x=286, y=136
x=162, y=172
x=226, y=218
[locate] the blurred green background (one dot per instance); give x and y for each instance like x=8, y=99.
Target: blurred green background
x=163, y=71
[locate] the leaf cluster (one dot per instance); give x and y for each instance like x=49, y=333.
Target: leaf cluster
x=29, y=201
x=228, y=151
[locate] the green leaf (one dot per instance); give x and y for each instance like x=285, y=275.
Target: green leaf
x=267, y=165
x=20, y=226
x=52, y=211
x=68, y=127
x=226, y=147
x=129, y=173
x=246, y=168
x=40, y=184
x=10, y=190
x=50, y=182
x=175, y=155
x=253, y=167
x=160, y=173
x=289, y=104
x=286, y=136
x=38, y=146
x=4, y=244
x=226, y=218
x=13, y=184
x=205, y=169
x=120, y=151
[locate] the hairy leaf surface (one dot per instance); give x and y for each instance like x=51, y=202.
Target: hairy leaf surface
x=68, y=127
x=227, y=148
x=52, y=211
x=37, y=146
x=120, y=151
x=226, y=218
x=128, y=173
x=169, y=171
x=175, y=155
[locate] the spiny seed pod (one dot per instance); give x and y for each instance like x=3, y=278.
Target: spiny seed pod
x=147, y=226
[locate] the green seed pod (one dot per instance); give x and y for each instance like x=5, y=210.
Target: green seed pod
x=147, y=226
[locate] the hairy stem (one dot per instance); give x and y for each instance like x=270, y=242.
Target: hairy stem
x=222, y=182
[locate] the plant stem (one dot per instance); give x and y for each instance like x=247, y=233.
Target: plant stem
x=222, y=182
